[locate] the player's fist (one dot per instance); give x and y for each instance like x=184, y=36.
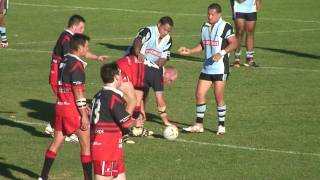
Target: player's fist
x=184, y=51
x=102, y=57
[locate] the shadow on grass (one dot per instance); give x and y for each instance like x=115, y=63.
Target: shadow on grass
x=156, y=119
x=173, y=55
x=23, y=126
x=43, y=111
x=6, y=170
x=290, y=52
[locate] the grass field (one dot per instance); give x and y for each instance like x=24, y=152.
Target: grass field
x=273, y=127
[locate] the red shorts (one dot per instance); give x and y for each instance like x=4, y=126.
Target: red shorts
x=67, y=124
x=131, y=71
x=109, y=168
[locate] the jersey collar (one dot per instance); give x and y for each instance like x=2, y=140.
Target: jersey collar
x=69, y=31
x=113, y=89
x=72, y=55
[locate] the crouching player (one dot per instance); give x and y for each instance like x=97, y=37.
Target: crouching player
x=143, y=76
x=108, y=117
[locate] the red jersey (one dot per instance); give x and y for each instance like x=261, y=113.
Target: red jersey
x=71, y=76
x=107, y=119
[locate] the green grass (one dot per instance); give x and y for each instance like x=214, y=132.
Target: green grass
x=273, y=111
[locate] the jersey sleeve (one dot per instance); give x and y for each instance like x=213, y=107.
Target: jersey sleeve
x=228, y=32
x=144, y=34
x=120, y=114
x=77, y=75
x=166, y=51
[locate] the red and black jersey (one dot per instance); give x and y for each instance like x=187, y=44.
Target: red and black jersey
x=142, y=76
x=71, y=76
x=108, y=116
x=60, y=49
x=62, y=46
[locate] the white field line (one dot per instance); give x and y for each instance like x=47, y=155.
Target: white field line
x=27, y=50
x=211, y=144
x=247, y=148
x=154, y=12
x=174, y=36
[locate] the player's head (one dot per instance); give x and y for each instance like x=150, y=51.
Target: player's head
x=79, y=44
x=76, y=24
x=165, y=25
x=214, y=13
x=170, y=75
x=110, y=73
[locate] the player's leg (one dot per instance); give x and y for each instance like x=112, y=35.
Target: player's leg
x=250, y=28
x=51, y=153
x=121, y=176
x=161, y=106
x=85, y=154
x=221, y=106
x=202, y=88
x=240, y=29
x=3, y=31
x=129, y=96
x=139, y=129
x=99, y=177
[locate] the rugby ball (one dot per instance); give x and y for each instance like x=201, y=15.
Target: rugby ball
x=170, y=132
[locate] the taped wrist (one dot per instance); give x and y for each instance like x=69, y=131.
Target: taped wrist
x=162, y=110
x=81, y=103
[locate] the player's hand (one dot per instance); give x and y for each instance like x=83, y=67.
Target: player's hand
x=140, y=58
x=102, y=57
x=169, y=124
x=85, y=124
x=184, y=51
x=216, y=57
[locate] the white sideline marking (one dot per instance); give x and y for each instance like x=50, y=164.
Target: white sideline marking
x=174, y=36
x=154, y=12
x=294, y=69
x=27, y=50
x=29, y=123
x=247, y=148
x=210, y=144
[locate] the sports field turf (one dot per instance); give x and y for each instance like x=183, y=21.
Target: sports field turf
x=273, y=117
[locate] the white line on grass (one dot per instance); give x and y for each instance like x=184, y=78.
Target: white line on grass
x=247, y=148
x=174, y=36
x=154, y=12
x=27, y=50
x=209, y=144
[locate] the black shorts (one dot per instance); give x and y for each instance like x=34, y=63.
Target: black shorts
x=213, y=77
x=247, y=16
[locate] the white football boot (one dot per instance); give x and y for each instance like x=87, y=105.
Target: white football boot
x=221, y=130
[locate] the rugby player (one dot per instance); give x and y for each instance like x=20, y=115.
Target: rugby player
x=4, y=5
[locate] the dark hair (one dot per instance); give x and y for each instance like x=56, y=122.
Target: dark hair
x=108, y=71
x=78, y=40
x=166, y=20
x=215, y=6
x=75, y=20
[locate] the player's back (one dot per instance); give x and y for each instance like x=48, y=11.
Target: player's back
x=61, y=47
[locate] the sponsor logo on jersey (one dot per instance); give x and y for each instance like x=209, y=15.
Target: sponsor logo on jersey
x=153, y=52
x=210, y=43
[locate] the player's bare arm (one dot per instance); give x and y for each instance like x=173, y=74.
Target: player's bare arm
x=233, y=43
x=81, y=103
x=188, y=51
x=137, y=44
x=90, y=55
x=258, y=4
x=161, y=62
